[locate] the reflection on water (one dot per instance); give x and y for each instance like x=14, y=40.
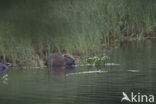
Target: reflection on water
x=87, y=72
x=62, y=70
x=5, y=79
x=135, y=73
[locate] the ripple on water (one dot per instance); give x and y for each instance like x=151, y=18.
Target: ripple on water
x=134, y=71
x=87, y=72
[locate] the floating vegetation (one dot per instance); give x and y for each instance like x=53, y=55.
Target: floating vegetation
x=4, y=79
x=97, y=61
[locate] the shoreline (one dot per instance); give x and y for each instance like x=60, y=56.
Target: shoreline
x=79, y=58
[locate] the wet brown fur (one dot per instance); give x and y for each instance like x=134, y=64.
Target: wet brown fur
x=59, y=59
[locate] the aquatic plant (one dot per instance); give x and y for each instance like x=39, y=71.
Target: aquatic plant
x=97, y=61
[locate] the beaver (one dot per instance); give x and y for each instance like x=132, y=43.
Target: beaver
x=60, y=59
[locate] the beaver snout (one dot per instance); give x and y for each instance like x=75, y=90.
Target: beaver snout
x=71, y=62
x=74, y=62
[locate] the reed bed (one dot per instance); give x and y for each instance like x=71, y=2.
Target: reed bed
x=31, y=30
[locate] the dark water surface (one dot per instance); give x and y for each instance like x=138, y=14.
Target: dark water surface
x=85, y=85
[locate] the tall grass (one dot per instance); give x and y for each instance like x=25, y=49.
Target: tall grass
x=31, y=30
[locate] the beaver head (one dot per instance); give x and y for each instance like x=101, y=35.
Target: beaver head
x=59, y=59
x=68, y=59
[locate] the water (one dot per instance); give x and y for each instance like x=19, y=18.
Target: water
x=134, y=70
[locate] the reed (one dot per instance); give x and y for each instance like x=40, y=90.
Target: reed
x=31, y=30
